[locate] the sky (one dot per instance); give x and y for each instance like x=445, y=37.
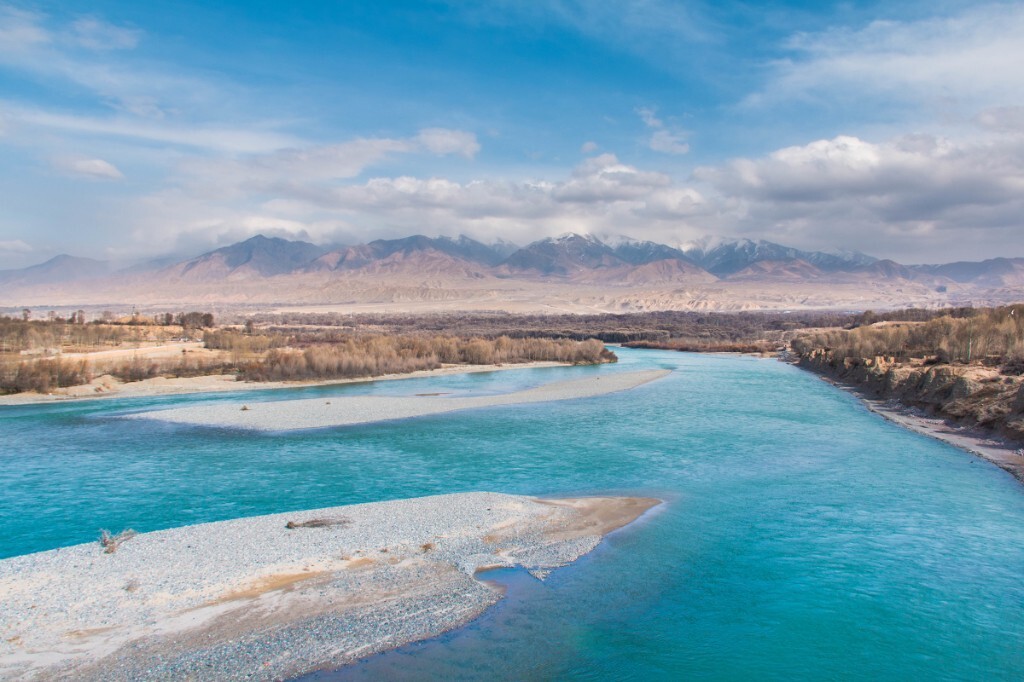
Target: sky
x=136, y=130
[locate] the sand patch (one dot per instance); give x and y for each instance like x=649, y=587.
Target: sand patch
x=600, y=515
x=270, y=583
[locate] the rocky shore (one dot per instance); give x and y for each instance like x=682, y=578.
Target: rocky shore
x=277, y=596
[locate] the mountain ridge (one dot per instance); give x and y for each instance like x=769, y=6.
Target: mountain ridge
x=617, y=271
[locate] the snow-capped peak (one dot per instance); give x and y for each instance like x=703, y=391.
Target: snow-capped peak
x=575, y=236
x=617, y=240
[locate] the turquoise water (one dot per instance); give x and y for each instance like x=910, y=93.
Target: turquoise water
x=802, y=536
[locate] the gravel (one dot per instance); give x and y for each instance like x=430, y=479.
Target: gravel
x=253, y=599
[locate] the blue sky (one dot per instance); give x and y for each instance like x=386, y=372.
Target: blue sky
x=131, y=130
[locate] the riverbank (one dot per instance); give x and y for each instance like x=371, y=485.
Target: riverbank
x=107, y=386
x=313, y=413
x=277, y=596
x=983, y=443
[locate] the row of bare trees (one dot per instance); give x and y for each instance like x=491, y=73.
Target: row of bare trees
x=994, y=335
x=25, y=335
x=611, y=328
x=44, y=375
x=373, y=355
x=256, y=358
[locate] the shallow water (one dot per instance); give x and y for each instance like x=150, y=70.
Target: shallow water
x=802, y=536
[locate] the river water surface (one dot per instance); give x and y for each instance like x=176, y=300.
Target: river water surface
x=801, y=536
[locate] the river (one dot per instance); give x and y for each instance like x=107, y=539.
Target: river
x=801, y=537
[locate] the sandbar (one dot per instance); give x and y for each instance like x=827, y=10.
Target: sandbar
x=312, y=413
x=277, y=596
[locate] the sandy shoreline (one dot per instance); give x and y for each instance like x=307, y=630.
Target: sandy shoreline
x=312, y=413
x=1003, y=453
x=254, y=599
x=107, y=386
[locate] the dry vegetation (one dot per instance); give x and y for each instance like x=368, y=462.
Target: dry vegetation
x=17, y=335
x=698, y=345
x=624, y=328
x=994, y=336
x=966, y=366
x=42, y=376
x=670, y=330
x=334, y=346
x=24, y=335
x=364, y=356
x=110, y=542
x=251, y=354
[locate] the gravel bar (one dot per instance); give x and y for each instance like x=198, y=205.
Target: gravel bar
x=277, y=596
x=313, y=413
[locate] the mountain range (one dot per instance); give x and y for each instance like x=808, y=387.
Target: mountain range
x=582, y=271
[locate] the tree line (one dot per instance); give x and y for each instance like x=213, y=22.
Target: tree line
x=26, y=334
x=365, y=356
x=991, y=335
x=610, y=328
x=266, y=358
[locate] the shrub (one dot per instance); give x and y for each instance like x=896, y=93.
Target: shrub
x=42, y=376
x=110, y=543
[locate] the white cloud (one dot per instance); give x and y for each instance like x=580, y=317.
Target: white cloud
x=667, y=142
x=908, y=197
x=299, y=171
x=443, y=141
x=604, y=179
x=41, y=48
x=596, y=185
x=676, y=203
x=912, y=198
x=96, y=169
x=292, y=192
x=973, y=57
x=1002, y=119
x=95, y=34
x=650, y=120
x=293, y=166
x=602, y=193
x=20, y=31
x=664, y=139
x=14, y=246
x=25, y=32
x=233, y=140
x=904, y=195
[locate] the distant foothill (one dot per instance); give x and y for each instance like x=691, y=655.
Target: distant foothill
x=571, y=272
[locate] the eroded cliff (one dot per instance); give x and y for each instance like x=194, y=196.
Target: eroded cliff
x=973, y=395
